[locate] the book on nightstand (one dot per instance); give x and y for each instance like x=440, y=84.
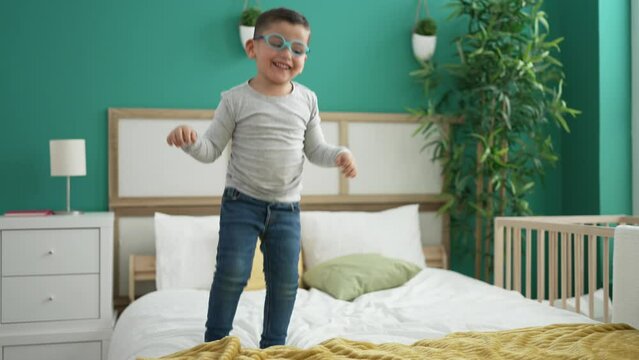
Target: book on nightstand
x=44, y=212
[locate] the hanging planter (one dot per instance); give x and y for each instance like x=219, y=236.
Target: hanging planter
x=424, y=37
x=247, y=22
x=246, y=33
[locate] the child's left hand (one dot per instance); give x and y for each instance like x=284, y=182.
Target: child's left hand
x=346, y=163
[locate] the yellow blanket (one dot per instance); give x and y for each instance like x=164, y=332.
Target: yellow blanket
x=566, y=341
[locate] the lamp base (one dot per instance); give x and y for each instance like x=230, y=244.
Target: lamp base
x=68, y=211
x=64, y=212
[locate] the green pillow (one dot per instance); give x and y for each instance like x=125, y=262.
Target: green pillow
x=350, y=276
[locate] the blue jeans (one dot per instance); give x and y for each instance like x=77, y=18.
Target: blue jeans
x=242, y=220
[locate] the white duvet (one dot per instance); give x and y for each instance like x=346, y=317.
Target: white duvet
x=431, y=305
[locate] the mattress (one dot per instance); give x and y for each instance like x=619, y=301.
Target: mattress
x=431, y=305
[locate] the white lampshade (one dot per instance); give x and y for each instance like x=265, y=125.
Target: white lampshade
x=68, y=157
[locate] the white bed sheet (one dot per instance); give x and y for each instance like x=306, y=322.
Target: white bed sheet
x=431, y=305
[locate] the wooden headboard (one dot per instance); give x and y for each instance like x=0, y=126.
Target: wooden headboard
x=392, y=171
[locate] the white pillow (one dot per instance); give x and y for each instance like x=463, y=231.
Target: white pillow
x=392, y=233
x=185, y=248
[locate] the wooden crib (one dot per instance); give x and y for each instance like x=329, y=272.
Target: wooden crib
x=576, y=261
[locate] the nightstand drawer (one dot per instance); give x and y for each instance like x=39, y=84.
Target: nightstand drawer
x=47, y=298
x=90, y=350
x=59, y=251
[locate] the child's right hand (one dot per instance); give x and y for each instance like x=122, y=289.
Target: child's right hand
x=182, y=136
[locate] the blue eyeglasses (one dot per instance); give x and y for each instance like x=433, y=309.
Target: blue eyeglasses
x=277, y=42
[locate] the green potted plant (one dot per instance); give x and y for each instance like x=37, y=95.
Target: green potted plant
x=509, y=92
x=247, y=23
x=424, y=38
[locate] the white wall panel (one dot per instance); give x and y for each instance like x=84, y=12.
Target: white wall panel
x=390, y=160
x=144, y=155
x=137, y=237
x=430, y=224
x=317, y=180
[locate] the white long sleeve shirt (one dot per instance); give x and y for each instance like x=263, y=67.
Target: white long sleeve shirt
x=270, y=136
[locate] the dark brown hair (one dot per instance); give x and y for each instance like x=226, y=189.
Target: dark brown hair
x=277, y=15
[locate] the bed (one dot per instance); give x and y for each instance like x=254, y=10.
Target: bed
x=431, y=305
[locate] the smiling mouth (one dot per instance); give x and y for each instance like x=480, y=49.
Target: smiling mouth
x=282, y=66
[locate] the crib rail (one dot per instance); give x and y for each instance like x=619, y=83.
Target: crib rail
x=567, y=252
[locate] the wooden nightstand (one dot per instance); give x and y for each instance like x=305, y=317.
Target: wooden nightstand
x=56, y=286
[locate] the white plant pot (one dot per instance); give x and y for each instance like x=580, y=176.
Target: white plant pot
x=424, y=46
x=246, y=33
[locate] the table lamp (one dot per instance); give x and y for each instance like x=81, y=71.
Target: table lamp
x=68, y=159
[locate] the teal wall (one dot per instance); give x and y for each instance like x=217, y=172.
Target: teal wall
x=579, y=163
x=615, y=176
x=596, y=156
x=64, y=63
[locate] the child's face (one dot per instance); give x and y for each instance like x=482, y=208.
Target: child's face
x=279, y=66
